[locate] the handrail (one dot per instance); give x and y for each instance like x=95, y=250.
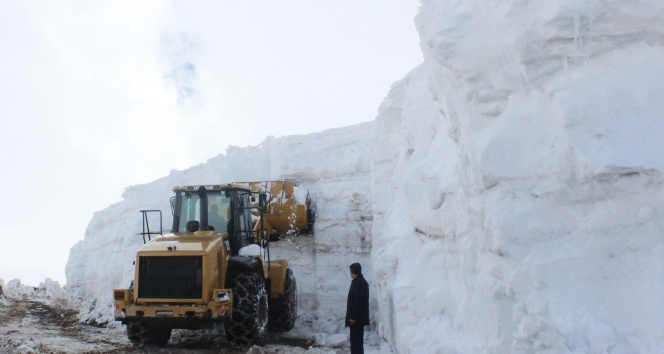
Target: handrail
x=146, y=225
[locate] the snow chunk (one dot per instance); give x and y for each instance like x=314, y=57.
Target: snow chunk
x=251, y=250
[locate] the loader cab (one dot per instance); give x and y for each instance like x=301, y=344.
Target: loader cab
x=215, y=208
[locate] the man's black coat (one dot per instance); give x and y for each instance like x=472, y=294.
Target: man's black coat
x=357, y=306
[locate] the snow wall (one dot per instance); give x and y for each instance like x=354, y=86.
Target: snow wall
x=333, y=166
x=507, y=198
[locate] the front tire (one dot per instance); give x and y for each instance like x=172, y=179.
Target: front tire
x=250, y=311
x=142, y=333
x=284, y=311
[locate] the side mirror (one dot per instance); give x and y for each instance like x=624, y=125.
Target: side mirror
x=262, y=202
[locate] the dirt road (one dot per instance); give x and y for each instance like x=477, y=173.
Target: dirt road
x=29, y=326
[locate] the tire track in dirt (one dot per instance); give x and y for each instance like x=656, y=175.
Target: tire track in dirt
x=34, y=326
x=31, y=326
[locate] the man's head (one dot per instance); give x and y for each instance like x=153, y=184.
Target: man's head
x=355, y=270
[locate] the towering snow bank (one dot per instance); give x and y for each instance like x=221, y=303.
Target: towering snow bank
x=538, y=225
x=414, y=192
x=333, y=165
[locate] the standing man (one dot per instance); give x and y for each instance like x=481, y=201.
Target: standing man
x=357, y=309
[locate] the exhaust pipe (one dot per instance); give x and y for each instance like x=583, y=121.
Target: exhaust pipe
x=202, y=195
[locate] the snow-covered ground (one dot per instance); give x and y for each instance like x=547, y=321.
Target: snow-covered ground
x=507, y=197
x=43, y=319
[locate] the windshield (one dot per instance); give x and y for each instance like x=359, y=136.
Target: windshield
x=218, y=211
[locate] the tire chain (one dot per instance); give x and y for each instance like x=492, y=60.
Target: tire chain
x=245, y=328
x=137, y=333
x=284, y=320
x=143, y=334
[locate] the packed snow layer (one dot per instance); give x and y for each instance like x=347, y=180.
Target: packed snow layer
x=507, y=198
x=538, y=225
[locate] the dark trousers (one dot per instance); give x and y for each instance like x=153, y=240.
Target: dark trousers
x=356, y=339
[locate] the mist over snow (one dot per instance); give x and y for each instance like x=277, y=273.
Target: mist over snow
x=507, y=197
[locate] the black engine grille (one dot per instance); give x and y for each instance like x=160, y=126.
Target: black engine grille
x=178, y=277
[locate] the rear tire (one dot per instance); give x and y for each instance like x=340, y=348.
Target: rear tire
x=250, y=311
x=284, y=311
x=142, y=333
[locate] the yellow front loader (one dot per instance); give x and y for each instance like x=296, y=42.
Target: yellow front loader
x=213, y=268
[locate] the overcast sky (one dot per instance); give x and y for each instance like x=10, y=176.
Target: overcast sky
x=99, y=95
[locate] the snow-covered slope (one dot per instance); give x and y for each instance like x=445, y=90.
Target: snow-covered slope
x=507, y=198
